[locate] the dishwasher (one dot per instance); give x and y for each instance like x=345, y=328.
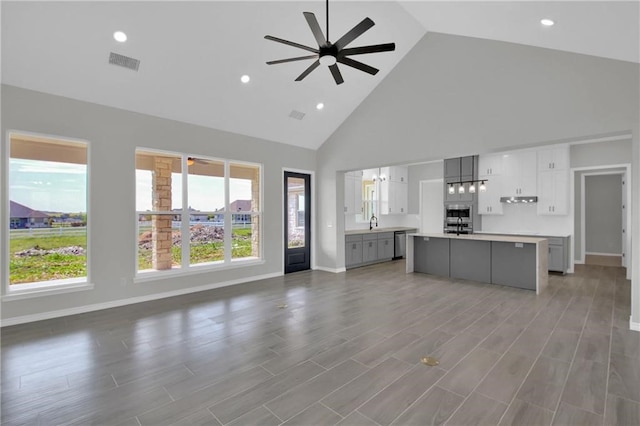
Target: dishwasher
x=399, y=244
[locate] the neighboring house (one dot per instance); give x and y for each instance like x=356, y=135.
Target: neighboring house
x=21, y=217
x=236, y=207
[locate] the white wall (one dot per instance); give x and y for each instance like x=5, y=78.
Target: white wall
x=113, y=136
x=452, y=96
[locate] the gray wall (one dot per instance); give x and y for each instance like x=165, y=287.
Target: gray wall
x=603, y=214
x=594, y=156
x=113, y=135
x=601, y=153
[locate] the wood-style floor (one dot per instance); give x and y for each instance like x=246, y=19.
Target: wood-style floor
x=316, y=348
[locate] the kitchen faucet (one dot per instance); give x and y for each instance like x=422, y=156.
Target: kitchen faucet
x=373, y=217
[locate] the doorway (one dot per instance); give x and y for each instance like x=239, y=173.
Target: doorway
x=297, y=222
x=604, y=211
x=431, y=206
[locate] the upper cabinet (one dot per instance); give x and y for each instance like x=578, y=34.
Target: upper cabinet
x=553, y=181
x=519, y=174
x=490, y=165
x=395, y=173
x=394, y=190
x=556, y=158
x=353, y=192
x=542, y=172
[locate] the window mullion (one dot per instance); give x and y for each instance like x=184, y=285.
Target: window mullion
x=228, y=222
x=185, y=238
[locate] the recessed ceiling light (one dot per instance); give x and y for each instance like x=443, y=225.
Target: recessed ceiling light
x=120, y=36
x=245, y=78
x=320, y=105
x=547, y=22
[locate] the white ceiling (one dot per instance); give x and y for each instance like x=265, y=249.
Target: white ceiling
x=193, y=53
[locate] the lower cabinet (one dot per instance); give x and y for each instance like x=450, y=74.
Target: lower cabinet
x=353, y=250
x=558, y=255
x=365, y=249
x=431, y=255
x=369, y=248
x=513, y=264
x=385, y=248
x=471, y=260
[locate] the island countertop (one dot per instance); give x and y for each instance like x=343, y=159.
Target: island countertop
x=484, y=237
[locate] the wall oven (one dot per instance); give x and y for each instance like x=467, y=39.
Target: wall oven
x=458, y=218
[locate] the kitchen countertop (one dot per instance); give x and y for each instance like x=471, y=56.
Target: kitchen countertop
x=527, y=234
x=484, y=237
x=389, y=229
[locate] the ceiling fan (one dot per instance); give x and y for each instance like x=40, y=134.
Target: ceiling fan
x=329, y=53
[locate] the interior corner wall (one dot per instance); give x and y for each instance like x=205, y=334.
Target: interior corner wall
x=113, y=136
x=452, y=96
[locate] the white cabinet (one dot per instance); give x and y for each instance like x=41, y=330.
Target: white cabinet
x=490, y=165
x=394, y=190
x=394, y=197
x=519, y=173
x=553, y=180
x=553, y=194
x=395, y=173
x=353, y=192
x=556, y=158
x=489, y=200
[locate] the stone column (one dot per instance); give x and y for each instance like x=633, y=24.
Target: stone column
x=161, y=224
x=255, y=220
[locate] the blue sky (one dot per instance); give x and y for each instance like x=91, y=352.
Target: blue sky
x=48, y=185
x=61, y=187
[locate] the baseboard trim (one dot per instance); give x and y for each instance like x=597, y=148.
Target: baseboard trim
x=603, y=254
x=123, y=302
x=634, y=325
x=332, y=270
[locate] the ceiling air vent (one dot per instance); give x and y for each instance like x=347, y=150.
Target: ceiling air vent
x=124, y=61
x=297, y=115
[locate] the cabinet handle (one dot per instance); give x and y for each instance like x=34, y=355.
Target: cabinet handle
x=345, y=209
x=549, y=165
x=353, y=247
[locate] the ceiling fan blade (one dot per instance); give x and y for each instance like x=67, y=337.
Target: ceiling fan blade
x=358, y=65
x=306, y=72
x=299, y=58
x=291, y=43
x=315, y=28
x=387, y=47
x=354, y=33
x=337, y=76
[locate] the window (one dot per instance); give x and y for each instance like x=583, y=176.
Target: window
x=47, y=211
x=216, y=203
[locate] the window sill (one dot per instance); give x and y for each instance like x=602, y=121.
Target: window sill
x=151, y=275
x=49, y=288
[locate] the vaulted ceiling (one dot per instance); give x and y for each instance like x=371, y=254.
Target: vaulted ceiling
x=192, y=54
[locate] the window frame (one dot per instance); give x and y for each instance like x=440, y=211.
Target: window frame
x=186, y=268
x=50, y=287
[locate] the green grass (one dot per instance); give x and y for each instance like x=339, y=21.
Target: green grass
x=203, y=253
x=49, y=267
x=55, y=266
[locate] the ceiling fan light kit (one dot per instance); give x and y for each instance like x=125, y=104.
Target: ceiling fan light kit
x=330, y=54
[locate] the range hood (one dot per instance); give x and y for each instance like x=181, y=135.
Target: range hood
x=519, y=199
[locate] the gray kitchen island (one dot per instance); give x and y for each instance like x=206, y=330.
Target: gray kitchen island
x=515, y=261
